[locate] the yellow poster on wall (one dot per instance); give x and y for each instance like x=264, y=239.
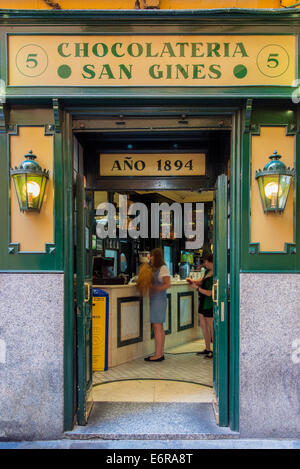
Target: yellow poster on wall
x=151, y=60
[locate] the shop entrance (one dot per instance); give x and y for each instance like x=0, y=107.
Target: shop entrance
x=209, y=189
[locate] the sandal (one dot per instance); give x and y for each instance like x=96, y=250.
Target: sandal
x=209, y=355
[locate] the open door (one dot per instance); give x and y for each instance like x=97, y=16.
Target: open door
x=220, y=301
x=84, y=300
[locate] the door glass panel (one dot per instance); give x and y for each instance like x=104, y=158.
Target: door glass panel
x=220, y=297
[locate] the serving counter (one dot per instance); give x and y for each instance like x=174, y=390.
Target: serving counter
x=130, y=334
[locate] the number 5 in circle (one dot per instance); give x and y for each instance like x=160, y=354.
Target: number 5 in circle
x=31, y=60
x=273, y=60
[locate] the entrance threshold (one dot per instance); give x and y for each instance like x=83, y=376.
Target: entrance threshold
x=151, y=421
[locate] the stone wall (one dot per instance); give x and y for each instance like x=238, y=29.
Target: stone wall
x=31, y=358
x=270, y=355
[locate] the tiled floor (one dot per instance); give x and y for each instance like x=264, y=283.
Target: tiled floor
x=182, y=377
x=151, y=391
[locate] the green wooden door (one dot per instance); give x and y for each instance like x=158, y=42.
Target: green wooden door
x=220, y=298
x=83, y=300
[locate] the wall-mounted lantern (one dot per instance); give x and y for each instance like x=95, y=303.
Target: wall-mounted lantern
x=30, y=183
x=274, y=183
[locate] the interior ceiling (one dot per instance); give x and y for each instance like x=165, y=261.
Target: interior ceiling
x=176, y=196
x=216, y=144
x=191, y=136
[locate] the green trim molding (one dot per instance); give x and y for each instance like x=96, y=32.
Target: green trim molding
x=70, y=348
x=11, y=258
x=139, y=338
x=235, y=259
x=252, y=259
x=120, y=22
x=180, y=295
x=14, y=248
x=51, y=258
x=237, y=14
x=289, y=248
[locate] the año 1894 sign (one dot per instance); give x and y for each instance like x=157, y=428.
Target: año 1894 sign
x=152, y=164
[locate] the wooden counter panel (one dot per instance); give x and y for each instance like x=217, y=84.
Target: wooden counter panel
x=130, y=333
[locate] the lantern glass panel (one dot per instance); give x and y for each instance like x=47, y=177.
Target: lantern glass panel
x=33, y=189
x=260, y=181
x=43, y=186
x=271, y=191
x=19, y=182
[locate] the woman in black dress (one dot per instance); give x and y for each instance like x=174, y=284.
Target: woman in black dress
x=204, y=287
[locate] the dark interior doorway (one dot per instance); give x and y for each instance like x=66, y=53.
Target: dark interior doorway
x=90, y=144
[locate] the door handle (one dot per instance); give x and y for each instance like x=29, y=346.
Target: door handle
x=215, y=288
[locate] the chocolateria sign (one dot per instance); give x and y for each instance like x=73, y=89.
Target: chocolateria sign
x=151, y=60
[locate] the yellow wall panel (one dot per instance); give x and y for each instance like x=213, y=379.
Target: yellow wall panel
x=25, y=4
x=32, y=230
x=129, y=4
x=271, y=230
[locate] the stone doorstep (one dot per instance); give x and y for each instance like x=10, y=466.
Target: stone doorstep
x=151, y=421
